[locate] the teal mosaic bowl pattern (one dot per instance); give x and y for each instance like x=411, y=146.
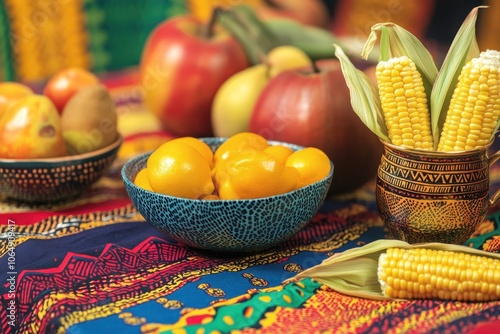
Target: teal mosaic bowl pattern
x=247, y=225
x=54, y=179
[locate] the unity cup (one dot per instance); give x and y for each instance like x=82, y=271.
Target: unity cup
x=434, y=196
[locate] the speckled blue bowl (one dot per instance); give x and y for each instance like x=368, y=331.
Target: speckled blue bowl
x=227, y=225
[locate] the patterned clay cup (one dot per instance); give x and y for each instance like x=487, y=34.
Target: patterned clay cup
x=434, y=196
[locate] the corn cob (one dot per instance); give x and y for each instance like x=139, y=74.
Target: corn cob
x=383, y=268
x=475, y=105
x=436, y=274
x=404, y=103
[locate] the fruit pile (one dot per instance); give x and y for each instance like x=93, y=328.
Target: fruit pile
x=184, y=57
x=242, y=73
x=74, y=115
x=245, y=166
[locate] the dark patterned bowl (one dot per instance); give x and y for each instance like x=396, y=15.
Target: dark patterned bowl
x=54, y=179
x=227, y=225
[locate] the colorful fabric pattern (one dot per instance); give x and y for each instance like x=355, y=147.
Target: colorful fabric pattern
x=38, y=38
x=94, y=265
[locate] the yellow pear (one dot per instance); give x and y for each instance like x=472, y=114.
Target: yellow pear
x=286, y=57
x=234, y=101
x=30, y=129
x=89, y=120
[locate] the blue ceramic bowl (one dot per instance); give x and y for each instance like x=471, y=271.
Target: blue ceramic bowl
x=54, y=179
x=227, y=225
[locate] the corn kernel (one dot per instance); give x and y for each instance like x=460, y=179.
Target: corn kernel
x=400, y=77
x=474, y=97
x=439, y=274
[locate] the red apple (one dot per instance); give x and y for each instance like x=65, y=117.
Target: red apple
x=67, y=82
x=312, y=108
x=181, y=69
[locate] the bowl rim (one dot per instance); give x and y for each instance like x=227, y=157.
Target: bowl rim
x=69, y=158
x=135, y=159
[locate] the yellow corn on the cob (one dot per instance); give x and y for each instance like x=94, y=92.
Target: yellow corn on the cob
x=475, y=105
x=394, y=269
x=404, y=103
x=421, y=273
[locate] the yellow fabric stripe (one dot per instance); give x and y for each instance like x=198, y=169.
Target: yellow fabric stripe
x=47, y=36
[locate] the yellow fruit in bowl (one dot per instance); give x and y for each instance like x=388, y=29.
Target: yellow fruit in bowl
x=141, y=179
x=235, y=144
x=311, y=163
x=198, y=145
x=244, y=166
x=255, y=174
x=178, y=169
x=280, y=152
x=238, y=143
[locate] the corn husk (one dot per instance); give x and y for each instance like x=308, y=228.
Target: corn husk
x=365, y=99
x=354, y=271
x=463, y=48
x=396, y=41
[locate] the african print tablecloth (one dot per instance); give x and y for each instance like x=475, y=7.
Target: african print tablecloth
x=94, y=265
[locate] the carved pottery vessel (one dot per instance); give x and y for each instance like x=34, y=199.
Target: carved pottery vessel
x=433, y=196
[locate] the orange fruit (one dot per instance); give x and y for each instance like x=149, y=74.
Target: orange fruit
x=178, y=169
x=239, y=142
x=255, y=174
x=198, y=145
x=141, y=180
x=312, y=164
x=280, y=152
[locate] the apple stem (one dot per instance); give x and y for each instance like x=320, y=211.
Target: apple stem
x=271, y=3
x=315, y=67
x=209, y=27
